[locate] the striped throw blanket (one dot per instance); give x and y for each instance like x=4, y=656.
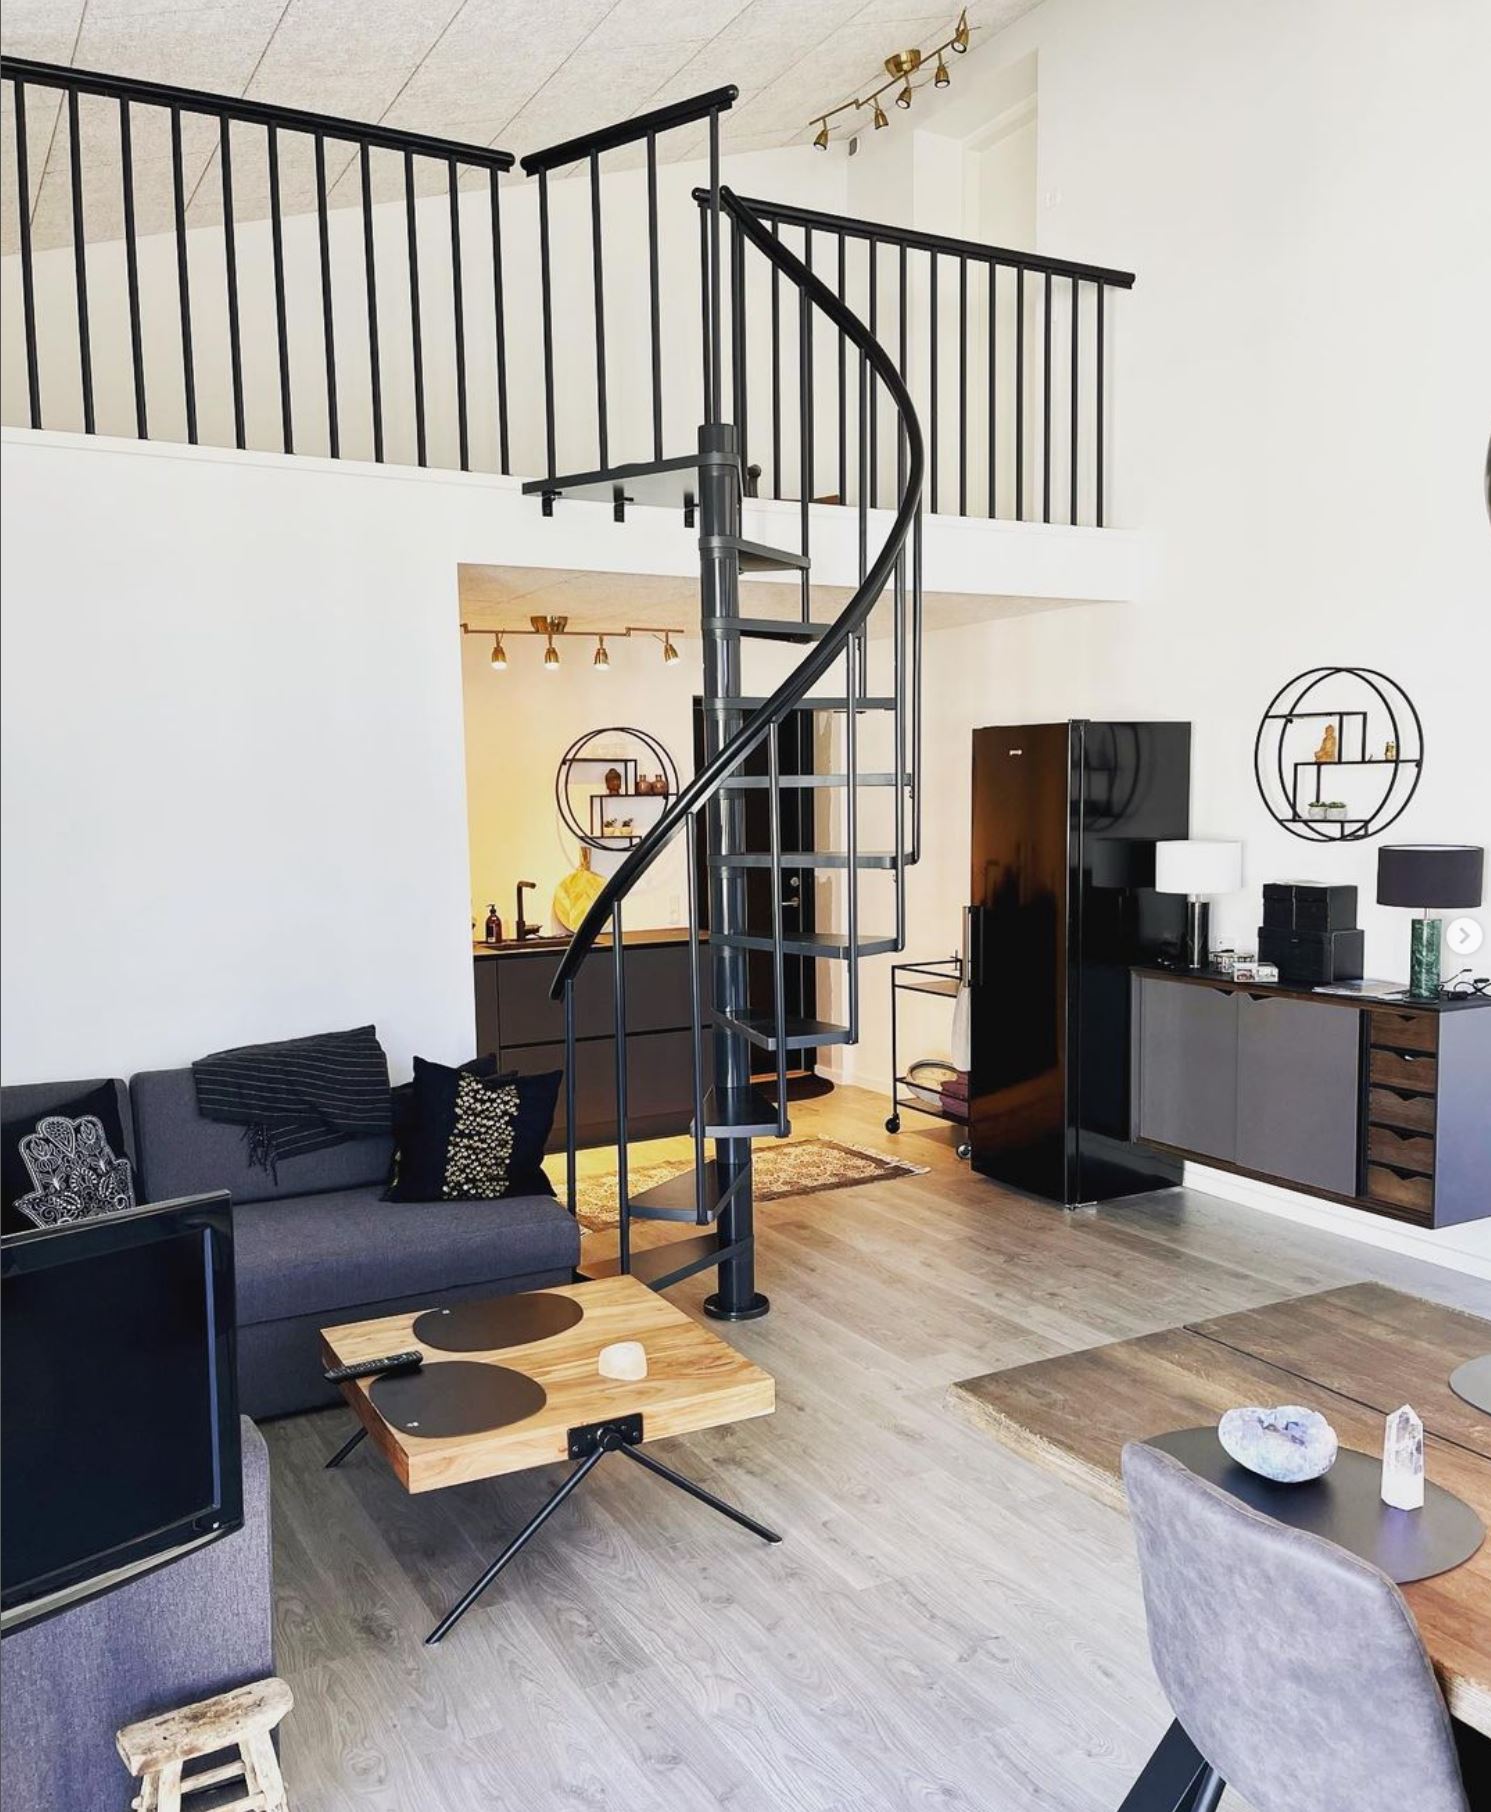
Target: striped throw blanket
x=300, y=1095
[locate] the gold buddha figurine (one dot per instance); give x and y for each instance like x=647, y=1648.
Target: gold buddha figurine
x=1328, y=750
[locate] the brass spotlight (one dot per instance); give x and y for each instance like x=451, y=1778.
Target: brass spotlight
x=551, y=657
x=820, y=138
x=670, y=653
x=499, y=654
x=961, y=34
x=602, y=659
x=944, y=75
x=903, y=99
x=879, y=117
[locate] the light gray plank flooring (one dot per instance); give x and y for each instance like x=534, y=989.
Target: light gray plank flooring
x=944, y=1626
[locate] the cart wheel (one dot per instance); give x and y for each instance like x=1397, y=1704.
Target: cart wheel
x=965, y=1151
x=893, y=1124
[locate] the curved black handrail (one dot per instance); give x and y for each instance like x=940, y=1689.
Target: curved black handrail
x=711, y=777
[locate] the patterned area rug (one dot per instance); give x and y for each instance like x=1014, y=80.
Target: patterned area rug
x=791, y=1167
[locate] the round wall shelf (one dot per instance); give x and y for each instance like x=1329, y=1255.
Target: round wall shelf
x=612, y=785
x=1338, y=754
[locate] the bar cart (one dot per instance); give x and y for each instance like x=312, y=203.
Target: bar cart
x=943, y=976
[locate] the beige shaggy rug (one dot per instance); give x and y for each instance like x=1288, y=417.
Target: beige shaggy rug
x=788, y=1167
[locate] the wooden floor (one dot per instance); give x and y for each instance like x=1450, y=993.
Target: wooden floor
x=944, y=1626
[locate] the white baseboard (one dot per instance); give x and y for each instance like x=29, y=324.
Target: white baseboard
x=1466, y=1249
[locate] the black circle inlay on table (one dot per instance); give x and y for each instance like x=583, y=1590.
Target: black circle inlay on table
x=1345, y=1507
x=456, y=1397
x=489, y=1325
x=1472, y=1382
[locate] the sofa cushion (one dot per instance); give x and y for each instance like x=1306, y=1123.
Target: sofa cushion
x=183, y=1154
x=317, y=1254
x=74, y=1192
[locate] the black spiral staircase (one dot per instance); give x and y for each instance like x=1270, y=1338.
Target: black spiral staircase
x=709, y=483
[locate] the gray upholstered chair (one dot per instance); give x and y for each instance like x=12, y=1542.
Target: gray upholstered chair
x=1294, y=1668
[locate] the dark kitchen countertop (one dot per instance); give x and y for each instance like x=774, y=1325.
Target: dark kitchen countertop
x=554, y=946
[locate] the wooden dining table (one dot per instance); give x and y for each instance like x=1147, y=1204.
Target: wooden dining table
x=1355, y=1354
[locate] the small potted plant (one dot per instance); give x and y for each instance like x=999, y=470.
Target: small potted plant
x=1335, y=810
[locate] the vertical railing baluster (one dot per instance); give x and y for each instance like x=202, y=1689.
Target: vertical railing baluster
x=1076, y=315
x=853, y=652
x=704, y=306
x=623, y=1196
x=328, y=329
x=844, y=386
x=80, y=260
x=776, y=374
x=499, y=304
x=458, y=317
x=546, y=288
x=863, y=405
x=183, y=279
x=132, y=265
x=714, y=267
x=281, y=315
x=1020, y=394
x=416, y=331
x=696, y=1015
x=1098, y=433
x=230, y=279
x=370, y=285
x=654, y=299
x=1046, y=405
x=805, y=417
x=874, y=388
x=962, y=386
x=738, y=373
x=778, y=955
x=993, y=326
x=571, y=1131
x=28, y=275
x=932, y=384
x=598, y=285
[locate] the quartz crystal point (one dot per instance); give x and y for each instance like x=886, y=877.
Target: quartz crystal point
x=1403, y=1461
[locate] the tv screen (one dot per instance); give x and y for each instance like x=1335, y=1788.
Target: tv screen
x=119, y=1445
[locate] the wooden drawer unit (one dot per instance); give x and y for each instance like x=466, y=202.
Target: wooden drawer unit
x=1412, y=1197
x=1403, y=1069
x=1409, y=1113
x=1408, y=1151
x=1404, y=1031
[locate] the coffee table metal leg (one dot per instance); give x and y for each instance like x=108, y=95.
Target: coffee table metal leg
x=353, y=1440
x=698, y=1491
x=518, y=1542
x=1176, y=1778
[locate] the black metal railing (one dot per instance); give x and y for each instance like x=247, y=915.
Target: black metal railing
x=642, y=132
x=1012, y=431
x=215, y=377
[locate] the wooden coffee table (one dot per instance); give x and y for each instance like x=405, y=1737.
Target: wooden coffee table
x=694, y=1380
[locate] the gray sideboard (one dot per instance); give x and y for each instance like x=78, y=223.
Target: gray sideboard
x=1383, y=1105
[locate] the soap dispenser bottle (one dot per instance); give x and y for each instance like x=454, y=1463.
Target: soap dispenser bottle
x=494, y=925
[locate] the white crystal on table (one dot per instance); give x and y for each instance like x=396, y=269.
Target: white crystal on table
x=624, y=1359
x=1403, y=1461
x=1289, y=1444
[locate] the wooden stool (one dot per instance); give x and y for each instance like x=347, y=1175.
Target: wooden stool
x=156, y=1749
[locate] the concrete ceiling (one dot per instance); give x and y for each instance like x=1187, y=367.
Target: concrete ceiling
x=504, y=597
x=516, y=73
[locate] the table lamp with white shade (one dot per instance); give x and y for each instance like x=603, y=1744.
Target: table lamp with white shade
x=1200, y=868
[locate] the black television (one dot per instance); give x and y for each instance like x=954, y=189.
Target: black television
x=119, y=1444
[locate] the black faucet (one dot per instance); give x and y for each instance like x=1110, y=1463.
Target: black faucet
x=523, y=929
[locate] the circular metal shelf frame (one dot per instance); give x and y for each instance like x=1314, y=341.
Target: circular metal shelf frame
x=649, y=746
x=1380, y=711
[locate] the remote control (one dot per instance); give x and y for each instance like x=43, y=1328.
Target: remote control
x=391, y=1366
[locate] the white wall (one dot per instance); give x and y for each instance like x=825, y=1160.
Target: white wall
x=1306, y=374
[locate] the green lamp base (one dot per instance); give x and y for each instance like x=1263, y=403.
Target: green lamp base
x=1423, y=959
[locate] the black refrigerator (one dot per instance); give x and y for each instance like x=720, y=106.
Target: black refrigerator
x=1065, y=820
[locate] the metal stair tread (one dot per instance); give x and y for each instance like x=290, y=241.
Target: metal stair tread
x=767, y=629
x=806, y=858
x=806, y=943
x=760, y=782
x=802, y=1034
x=672, y=483
x=760, y=557
x=808, y=703
x=667, y=1262
x=739, y=1113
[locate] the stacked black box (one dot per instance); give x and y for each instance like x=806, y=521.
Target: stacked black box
x=1309, y=930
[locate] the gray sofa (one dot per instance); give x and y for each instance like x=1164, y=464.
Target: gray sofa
x=318, y=1245
x=189, y=1630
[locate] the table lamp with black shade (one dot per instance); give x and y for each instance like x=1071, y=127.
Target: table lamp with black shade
x=1428, y=875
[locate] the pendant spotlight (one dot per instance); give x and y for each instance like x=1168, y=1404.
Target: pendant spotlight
x=670, y=653
x=901, y=66
x=551, y=657
x=499, y=654
x=602, y=659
